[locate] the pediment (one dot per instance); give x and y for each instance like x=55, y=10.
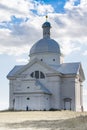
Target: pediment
x=35, y=64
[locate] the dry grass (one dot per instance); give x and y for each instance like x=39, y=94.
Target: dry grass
x=47, y=120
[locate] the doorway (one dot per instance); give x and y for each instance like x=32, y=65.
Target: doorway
x=67, y=103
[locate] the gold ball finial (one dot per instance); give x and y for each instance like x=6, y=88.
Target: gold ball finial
x=46, y=18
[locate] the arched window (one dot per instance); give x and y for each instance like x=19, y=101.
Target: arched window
x=37, y=74
x=32, y=74
x=42, y=75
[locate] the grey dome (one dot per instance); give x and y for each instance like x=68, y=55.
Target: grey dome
x=45, y=45
x=46, y=24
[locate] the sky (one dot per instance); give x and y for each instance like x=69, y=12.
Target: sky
x=20, y=28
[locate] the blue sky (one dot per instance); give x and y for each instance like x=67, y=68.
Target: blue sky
x=20, y=28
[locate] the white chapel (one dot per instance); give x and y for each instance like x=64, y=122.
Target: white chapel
x=46, y=82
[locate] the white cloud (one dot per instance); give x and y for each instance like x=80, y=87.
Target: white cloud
x=69, y=4
x=70, y=31
x=9, y=8
x=85, y=53
x=13, y=50
x=69, y=28
x=67, y=48
x=20, y=8
x=83, y=3
x=13, y=35
x=42, y=9
x=23, y=60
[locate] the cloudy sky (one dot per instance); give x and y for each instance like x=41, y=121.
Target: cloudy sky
x=20, y=28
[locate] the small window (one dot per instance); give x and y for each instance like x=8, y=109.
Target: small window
x=53, y=59
x=41, y=59
x=28, y=98
x=28, y=87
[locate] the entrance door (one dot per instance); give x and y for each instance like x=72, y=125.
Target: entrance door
x=67, y=103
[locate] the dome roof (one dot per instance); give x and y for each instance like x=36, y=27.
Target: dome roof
x=46, y=24
x=45, y=45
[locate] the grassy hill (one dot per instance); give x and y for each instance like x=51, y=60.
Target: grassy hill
x=47, y=120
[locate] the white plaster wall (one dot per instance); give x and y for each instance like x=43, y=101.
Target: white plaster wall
x=78, y=94
x=54, y=87
x=15, y=86
x=60, y=89
x=22, y=87
x=35, y=67
x=11, y=95
x=48, y=58
x=35, y=102
x=47, y=102
x=68, y=91
x=38, y=67
x=27, y=86
x=81, y=94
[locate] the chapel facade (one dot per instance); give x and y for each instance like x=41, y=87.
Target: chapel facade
x=46, y=82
